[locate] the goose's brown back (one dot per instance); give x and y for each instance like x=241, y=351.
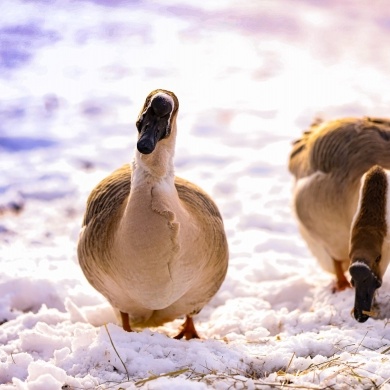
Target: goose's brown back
x=328, y=162
x=346, y=148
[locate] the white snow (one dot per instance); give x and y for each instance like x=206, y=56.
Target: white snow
x=250, y=77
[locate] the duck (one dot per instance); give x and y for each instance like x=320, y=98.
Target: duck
x=341, y=198
x=152, y=243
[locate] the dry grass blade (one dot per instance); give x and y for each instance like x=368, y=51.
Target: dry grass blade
x=237, y=378
x=386, y=350
x=154, y=377
x=290, y=386
x=321, y=366
x=289, y=363
x=370, y=313
x=360, y=344
x=113, y=346
x=384, y=383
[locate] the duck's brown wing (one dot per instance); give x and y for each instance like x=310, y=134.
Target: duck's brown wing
x=108, y=196
x=348, y=146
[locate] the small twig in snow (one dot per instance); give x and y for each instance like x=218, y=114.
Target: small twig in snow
x=113, y=346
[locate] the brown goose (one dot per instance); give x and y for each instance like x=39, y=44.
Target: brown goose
x=152, y=243
x=341, y=201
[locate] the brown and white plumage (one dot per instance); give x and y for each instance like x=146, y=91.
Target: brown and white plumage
x=340, y=200
x=152, y=243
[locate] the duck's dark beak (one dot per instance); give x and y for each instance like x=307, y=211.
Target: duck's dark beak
x=365, y=283
x=154, y=123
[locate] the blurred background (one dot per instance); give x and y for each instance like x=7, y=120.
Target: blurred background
x=249, y=75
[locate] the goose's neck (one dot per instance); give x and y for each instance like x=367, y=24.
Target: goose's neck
x=156, y=166
x=370, y=226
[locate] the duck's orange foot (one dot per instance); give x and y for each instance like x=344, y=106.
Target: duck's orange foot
x=188, y=330
x=341, y=285
x=341, y=281
x=125, y=322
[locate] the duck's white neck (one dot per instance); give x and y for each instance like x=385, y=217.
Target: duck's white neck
x=157, y=165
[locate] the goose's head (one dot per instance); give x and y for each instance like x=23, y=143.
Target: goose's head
x=156, y=120
x=366, y=278
x=369, y=250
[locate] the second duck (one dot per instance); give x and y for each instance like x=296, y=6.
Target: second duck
x=341, y=201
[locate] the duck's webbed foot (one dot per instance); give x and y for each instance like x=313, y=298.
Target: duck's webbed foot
x=188, y=330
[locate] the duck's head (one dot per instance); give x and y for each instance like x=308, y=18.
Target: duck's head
x=156, y=119
x=369, y=249
x=366, y=279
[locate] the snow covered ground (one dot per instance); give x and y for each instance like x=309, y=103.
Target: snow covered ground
x=250, y=77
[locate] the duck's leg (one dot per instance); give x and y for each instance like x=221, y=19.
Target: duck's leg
x=341, y=281
x=188, y=330
x=125, y=322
